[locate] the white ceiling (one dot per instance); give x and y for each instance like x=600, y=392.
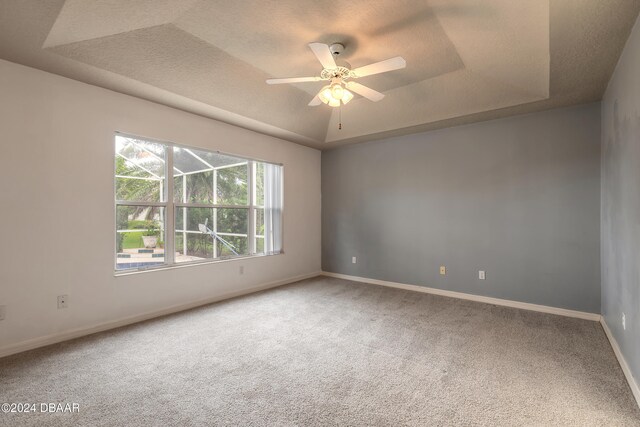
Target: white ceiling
x=467, y=60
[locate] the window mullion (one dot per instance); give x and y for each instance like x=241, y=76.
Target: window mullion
x=214, y=226
x=149, y=204
x=185, y=249
x=251, y=214
x=170, y=225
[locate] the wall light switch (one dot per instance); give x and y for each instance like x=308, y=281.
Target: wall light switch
x=443, y=270
x=481, y=275
x=353, y=260
x=3, y=312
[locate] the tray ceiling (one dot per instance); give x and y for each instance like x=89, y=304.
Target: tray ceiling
x=467, y=60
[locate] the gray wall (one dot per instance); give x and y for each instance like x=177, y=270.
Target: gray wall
x=621, y=202
x=517, y=197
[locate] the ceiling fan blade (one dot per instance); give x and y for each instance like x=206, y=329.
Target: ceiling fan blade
x=370, y=94
x=293, y=80
x=324, y=55
x=380, y=67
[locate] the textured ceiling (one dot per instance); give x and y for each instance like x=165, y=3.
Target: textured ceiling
x=467, y=60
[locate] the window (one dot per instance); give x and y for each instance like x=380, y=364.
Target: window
x=215, y=206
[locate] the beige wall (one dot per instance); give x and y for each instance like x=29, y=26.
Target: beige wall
x=57, y=214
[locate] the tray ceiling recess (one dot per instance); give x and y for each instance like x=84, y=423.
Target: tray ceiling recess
x=466, y=60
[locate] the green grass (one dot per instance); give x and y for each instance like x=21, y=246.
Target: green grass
x=132, y=240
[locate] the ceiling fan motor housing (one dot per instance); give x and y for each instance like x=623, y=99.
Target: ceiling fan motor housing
x=336, y=49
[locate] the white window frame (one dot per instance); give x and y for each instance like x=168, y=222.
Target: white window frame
x=170, y=206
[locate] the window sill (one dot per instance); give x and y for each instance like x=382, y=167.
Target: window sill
x=119, y=273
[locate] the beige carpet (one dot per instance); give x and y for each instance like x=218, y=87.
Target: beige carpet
x=330, y=352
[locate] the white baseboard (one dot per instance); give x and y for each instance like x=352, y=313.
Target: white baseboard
x=622, y=361
x=30, y=344
x=460, y=295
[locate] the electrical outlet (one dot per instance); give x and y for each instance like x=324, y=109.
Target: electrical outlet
x=624, y=322
x=443, y=270
x=3, y=312
x=242, y=269
x=63, y=301
x=481, y=275
x=353, y=260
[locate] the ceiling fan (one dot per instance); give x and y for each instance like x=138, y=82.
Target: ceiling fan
x=338, y=91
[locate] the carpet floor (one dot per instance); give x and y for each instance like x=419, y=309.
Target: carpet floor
x=327, y=351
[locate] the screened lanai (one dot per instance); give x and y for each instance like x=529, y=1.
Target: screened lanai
x=215, y=205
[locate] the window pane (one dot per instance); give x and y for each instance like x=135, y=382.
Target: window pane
x=232, y=220
x=259, y=184
x=194, y=188
x=191, y=243
x=189, y=219
x=230, y=246
x=194, y=176
x=198, y=246
x=231, y=185
x=139, y=190
x=195, y=217
x=232, y=232
x=187, y=160
x=259, y=233
x=259, y=220
x=139, y=170
x=225, y=233
x=177, y=188
x=139, y=237
x=260, y=245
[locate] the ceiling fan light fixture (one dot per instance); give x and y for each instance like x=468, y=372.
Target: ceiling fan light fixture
x=325, y=94
x=346, y=97
x=337, y=91
x=334, y=95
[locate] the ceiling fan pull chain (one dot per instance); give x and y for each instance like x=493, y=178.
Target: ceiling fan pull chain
x=340, y=118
